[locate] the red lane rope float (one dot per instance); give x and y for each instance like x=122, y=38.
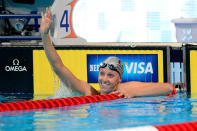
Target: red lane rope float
x=188, y=126
x=51, y=103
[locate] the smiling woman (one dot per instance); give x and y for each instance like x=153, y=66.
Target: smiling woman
x=98, y=71
x=109, y=76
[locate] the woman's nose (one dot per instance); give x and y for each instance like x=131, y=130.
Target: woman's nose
x=105, y=78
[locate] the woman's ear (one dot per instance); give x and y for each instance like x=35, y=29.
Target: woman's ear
x=120, y=80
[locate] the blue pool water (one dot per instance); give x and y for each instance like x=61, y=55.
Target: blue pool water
x=106, y=115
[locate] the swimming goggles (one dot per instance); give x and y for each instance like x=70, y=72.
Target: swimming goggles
x=110, y=66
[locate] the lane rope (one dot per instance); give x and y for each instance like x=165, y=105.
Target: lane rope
x=52, y=103
x=60, y=102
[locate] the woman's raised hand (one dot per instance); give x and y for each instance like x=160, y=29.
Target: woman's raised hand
x=46, y=21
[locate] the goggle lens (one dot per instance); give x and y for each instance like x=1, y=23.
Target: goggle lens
x=111, y=67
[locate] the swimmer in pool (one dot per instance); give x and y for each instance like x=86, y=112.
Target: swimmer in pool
x=110, y=72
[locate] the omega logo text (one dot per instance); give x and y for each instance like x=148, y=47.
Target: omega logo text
x=15, y=67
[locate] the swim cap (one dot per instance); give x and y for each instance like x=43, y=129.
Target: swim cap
x=113, y=63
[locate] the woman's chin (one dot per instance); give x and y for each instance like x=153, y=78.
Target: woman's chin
x=105, y=91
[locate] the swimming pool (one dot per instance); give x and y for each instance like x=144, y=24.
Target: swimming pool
x=114, y=114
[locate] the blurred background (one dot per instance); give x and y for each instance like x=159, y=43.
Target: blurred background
x=112, y=20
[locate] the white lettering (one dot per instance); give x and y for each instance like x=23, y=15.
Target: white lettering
x=11, y=68
x=24, y=68
x=128, y=69
x=91, y=68
x=94, y=67
x=98, y=67
x=139, y=68
x=149, y=68
x=135, y=67
x=15, y=68
x=7, y=68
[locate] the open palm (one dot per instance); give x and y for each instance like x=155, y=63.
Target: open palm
x=46, y=21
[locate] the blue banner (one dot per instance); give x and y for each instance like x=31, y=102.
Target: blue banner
x=137, y=67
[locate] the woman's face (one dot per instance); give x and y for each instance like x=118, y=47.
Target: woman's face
x=108, y=80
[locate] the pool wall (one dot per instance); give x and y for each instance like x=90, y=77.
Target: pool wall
x=190, y=70
x=26, y=70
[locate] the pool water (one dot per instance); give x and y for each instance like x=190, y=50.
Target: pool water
x=120, y=113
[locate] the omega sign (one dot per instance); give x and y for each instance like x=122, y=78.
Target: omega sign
x=15, y=67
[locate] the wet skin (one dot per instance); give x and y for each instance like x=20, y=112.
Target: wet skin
x=108, y=80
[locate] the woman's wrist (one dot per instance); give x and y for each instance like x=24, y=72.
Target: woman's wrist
x=45, y=33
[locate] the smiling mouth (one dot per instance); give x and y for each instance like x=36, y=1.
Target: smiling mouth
x=104, y=85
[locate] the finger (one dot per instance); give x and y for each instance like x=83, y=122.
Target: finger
x=42, y=14
x=48, y=21
x=126, y=96
x=121, y=94
x=47, y=12
x=50, y=11
x=114, y=92
x=43, y=17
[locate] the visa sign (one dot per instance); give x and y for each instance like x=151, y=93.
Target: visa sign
x=137, y=67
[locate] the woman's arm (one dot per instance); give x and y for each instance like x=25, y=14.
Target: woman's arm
x=62, y=71
x=135, y=89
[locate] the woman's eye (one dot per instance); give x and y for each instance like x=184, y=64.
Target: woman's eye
x=102, y=73
x=110, y=75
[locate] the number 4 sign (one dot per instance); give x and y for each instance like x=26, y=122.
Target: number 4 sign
x=62, y=29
